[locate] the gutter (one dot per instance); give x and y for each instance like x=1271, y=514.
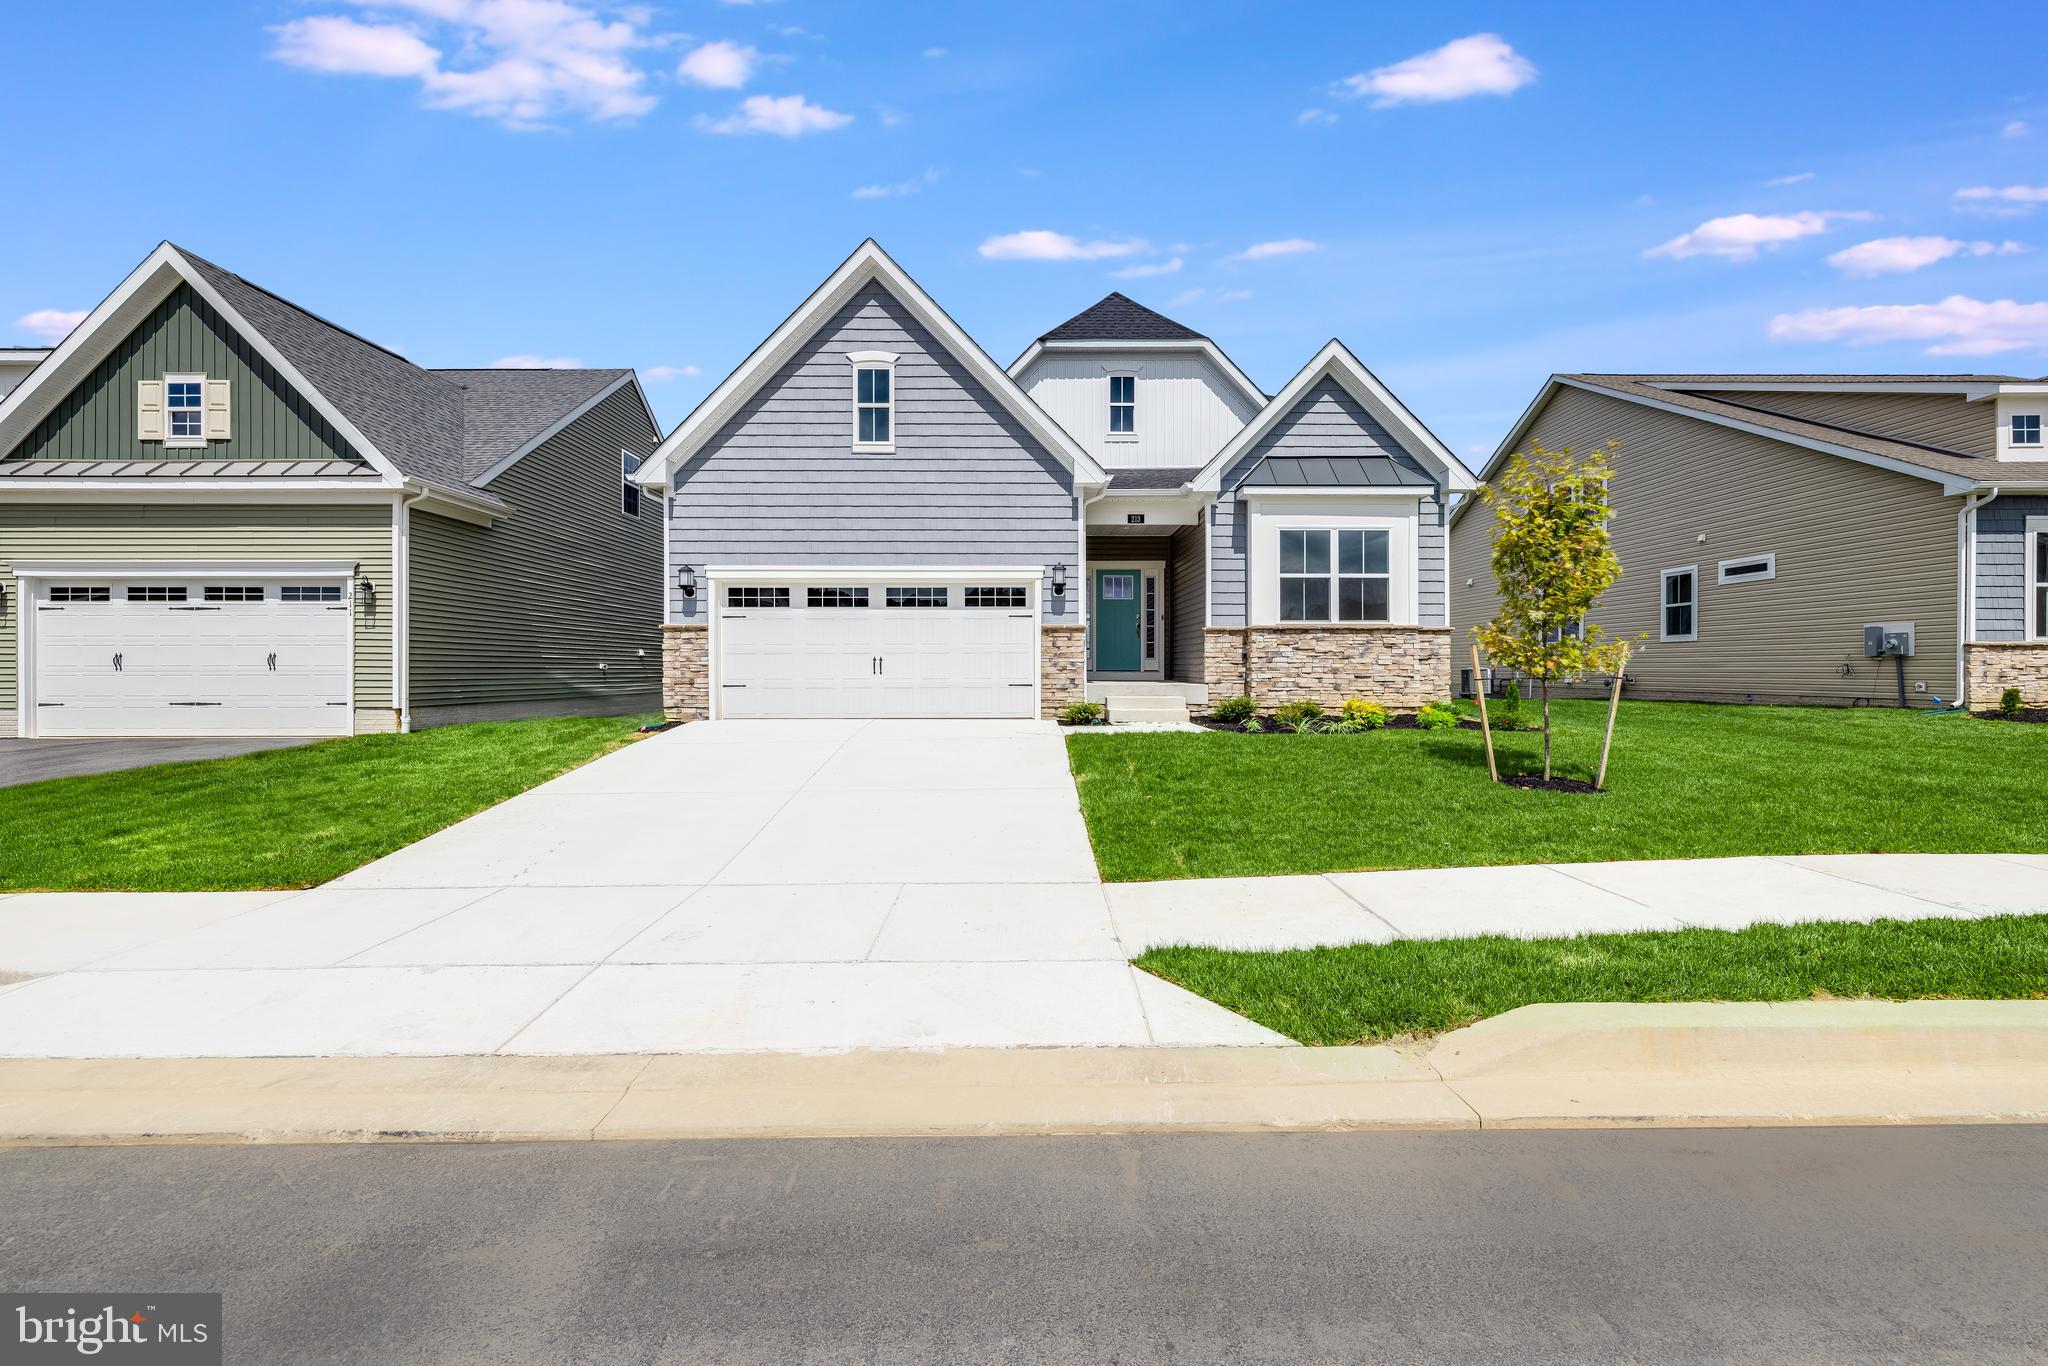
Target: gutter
x=1966, y=582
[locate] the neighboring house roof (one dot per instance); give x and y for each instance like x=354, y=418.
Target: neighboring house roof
x=22, y=355
x=449, y=430
x=1956, y=471
x=868, y=264
x=1123, y=481
x=1330, y=471
x=1335, y=362
x=1118, y=318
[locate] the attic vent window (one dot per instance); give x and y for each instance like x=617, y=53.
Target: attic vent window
x=1748, y=568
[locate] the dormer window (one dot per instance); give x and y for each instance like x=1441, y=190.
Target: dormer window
x=1123, y=404
x=2026, y=429
x=874, y=400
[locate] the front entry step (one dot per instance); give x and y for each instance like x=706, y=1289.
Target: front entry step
x=1149, y=707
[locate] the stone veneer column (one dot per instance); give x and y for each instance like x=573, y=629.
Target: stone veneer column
x=1223, y=662
x=1995, y=665
x=1062, y=668
x=686, y=672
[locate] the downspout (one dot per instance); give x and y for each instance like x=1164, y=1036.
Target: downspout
x=401, y=609
x=1966, y=583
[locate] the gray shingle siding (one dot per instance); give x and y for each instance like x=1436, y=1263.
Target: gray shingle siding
x=2002, y=572
x=780, y=482
x=1328, y=430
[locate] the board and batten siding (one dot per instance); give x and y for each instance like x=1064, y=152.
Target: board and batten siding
x=1186, y=410
x=556, y=608
x=270, y=419
x=1327, y=421
x=1946, y=421
x=2005, y=582
x=359, y=532
x=780, y=483
x=1855, y=545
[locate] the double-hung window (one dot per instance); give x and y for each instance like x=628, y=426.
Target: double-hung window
x=1335, y=575
x=1679, y=615
x=874, y=400
x=1123, y=405
x=185, y=410
x=629, y=492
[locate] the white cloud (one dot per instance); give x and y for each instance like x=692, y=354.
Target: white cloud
x=521, y=62
x=50, y=324
x=662, y=374
x=891, y=118
x=2008, y=201
x=1039, y=245
x=537, y=363
x=1957, y=326
x=1286, y=246
x=2018, y=128
x=720, y=65
x=1482, y=64
x=1170, y=266
x=935, y=52
x=1315, y=118
x=786, y=116
x=1740, y=236
x=1796, y=178
x=900, y=187
x=1897, y=255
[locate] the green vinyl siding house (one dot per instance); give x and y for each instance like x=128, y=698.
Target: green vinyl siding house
x=223, y=515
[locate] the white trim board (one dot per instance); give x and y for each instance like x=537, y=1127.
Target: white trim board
x=868, y=264
x=170, y=569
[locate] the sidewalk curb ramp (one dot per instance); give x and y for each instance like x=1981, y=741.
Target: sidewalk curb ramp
x=1549, y=1066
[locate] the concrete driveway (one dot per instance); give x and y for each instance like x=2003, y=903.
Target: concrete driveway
x=32, y=761
x=734, y=885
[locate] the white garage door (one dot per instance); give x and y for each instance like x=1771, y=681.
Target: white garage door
x=220, y=656
x=956, y=649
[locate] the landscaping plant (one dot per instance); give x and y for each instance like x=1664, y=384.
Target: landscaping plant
x=2009, y=704
x=1438, y=716
x=1299, y=717
x=1360, y=714
x=1234, y=709
x=1552, y=559
x=1082, y=714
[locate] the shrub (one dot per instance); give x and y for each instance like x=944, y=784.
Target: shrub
x=1437, y=716
x=1298, y=716
x=1252, y=725
x=1360, y=714
x=2009, y=702
x=1234, y=709
x=1082, y=714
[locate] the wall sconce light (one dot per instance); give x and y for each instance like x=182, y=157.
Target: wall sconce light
x=686, y=581
x=1059, y=580
x=366, y=596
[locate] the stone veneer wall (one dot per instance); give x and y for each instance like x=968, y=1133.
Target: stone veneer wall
x=1995, y=666
x=685, y=672
x=1403, y=666
x=1062, y=667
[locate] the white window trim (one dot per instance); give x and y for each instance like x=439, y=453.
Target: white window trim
x=185, y=442
x=2030, y=547
x=2012, y=424
x=1397, y=516
x=872, y=360
x=1770, y=561
x=1662, y=602
x=1109, y=432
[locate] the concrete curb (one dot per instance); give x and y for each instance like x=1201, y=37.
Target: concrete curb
x=1849, y=1062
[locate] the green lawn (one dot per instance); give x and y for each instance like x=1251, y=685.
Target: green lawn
x=1369, y=992
x=1687, y=781
x=281, y=818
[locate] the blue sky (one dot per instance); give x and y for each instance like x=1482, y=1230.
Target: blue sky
x=1470, y=196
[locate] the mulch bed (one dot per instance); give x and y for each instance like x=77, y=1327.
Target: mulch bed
x=2034, y=714
x=1399, y=721
x=1536, y=782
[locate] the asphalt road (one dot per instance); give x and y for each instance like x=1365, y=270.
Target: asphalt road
x=1811, y=1245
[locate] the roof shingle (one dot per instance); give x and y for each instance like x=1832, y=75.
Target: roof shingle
x=1117, y=318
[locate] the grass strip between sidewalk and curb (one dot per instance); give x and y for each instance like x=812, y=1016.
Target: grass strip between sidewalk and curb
x=280, y=818
x=1368, y=993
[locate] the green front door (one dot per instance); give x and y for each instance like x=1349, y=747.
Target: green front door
x=1118, y=647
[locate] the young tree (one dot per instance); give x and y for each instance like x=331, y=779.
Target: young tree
x=1552, y=559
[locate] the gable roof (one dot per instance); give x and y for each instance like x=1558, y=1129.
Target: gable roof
x=446, y=429
x=1335, y=362
x=1955, y=471
x=1117, y=317
x=868, y=264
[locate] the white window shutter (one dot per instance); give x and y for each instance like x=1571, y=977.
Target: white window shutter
x=218, y=427
x=149, y=410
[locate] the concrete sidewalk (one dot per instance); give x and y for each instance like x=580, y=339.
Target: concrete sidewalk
x=1564, y=1066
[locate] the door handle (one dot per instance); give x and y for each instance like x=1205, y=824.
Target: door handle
x=117, y=661
x=273, y=662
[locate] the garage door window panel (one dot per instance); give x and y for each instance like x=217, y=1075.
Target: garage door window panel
x=997, y=597
x=835, y=597
x=917, y=597
x=756, y=597
x=81, y=593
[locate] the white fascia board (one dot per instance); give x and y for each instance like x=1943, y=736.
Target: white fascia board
x=1335, y=361
x=868, y=263
x=23, y=355
x=117, y=315
x=1187, y=346
x=1978, y=393
x=873, y=573
x=554, y=430
x=172, y=569
x=200, y=489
